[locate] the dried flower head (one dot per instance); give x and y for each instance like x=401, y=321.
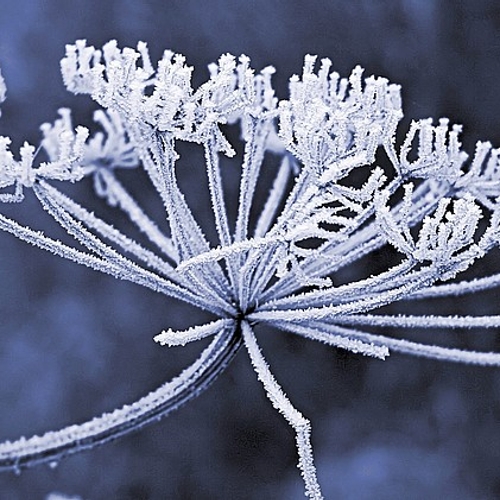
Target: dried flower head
x=343, y=189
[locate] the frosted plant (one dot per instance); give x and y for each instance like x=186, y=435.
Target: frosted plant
x=343, y=188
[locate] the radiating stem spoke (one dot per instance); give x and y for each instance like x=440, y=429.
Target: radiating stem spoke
x=53, y=446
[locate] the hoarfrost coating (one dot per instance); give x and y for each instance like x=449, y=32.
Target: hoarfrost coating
x=343, y=188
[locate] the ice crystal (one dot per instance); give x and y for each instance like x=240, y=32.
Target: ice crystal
x=343, y=189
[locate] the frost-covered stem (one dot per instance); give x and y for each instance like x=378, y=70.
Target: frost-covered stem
x=276, y=196
x=301, y=184
x=412, y=348
x=254, y=247
x=217, y=192
x=323, y=262
x=135, y=213
x=189, y=238
x=107, y=231
x=252, y=162
x=456, y=289
x=355, y=345
x=219, y=253
x=278, y=398
x=75, y=229
x=263, y=274
x=55, y=445
x=70, y=216
x=132, y=273
x=358, y=305
x=338, y=257
x=425, y=199
x=423, y=321
x=218, y=204
x=266, y=265
x=249, y=288
x=395, y=276
x=143, y=141
x=334, y=256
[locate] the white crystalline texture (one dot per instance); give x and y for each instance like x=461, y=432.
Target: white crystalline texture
x=343, y=188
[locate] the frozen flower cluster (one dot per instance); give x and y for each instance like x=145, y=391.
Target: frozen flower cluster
x=343, y=189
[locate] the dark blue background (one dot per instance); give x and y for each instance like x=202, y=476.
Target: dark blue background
x=74, y=344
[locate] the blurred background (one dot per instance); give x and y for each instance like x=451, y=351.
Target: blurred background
x=74, y=343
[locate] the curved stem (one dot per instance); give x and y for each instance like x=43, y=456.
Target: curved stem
x=53, y=446
x=295, y=419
